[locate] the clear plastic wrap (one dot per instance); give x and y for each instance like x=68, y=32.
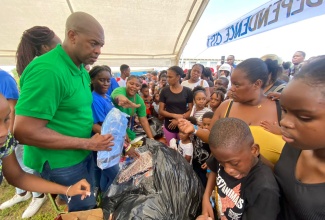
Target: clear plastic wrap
x=115, y=123
x=170, y=190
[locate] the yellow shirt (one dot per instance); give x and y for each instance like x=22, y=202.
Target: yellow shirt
x=271, y=145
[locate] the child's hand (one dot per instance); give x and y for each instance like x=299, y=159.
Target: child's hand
x=132, y=153
x=204, y=166
x=274, y=95
x=80, y=188
x=271, y=127
x=207, y=209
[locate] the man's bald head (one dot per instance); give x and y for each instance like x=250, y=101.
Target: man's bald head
x=83, y=22
x=84, y=38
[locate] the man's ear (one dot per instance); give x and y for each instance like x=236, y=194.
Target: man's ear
x=72, y=36
x=255, y=149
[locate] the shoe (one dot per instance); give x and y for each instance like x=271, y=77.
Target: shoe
x=33, y=207
x=14, y=200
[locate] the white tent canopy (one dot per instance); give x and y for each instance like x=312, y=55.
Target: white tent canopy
x=137, y=32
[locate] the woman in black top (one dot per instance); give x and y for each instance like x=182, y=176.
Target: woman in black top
x=176, y=101
x=300, y=171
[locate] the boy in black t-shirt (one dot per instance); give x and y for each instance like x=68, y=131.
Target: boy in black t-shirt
x=246, y=187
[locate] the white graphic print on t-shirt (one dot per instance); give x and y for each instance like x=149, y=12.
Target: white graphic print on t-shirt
x=230, y=204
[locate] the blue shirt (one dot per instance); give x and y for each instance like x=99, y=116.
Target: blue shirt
x=113, y=86
x=101, y=106
x=8, y=86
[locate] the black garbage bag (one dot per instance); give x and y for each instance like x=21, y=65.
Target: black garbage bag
x=172, y=192
x=155, y=126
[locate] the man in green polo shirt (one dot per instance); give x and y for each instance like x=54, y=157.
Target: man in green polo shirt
x=54, y=116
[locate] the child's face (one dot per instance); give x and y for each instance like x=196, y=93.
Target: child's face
x=101, y=82
x=237, y=163
x=183, y=136
x=145, y=92
x=156, y=97
x=206, y=123
x=200, y=99
x=163, y=81
x=303, y=115
x=4, y=120
x=218, y=83
x=215, y=101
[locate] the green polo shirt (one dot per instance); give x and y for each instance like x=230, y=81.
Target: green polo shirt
x=141, y=111
x=53, y=88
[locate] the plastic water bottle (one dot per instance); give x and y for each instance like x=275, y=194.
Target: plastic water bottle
x=115, y=123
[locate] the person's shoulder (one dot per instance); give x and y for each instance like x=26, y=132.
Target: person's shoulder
x=164, y=90
x=186, y=89
x=96, y=96
x=4, y=74
x=185, y=82
x=119, y=90
x=139, y=98
x=51, y=62
x=261, y=177
x=223, y=107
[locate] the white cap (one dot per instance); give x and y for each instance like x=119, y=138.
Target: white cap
x=226, y=67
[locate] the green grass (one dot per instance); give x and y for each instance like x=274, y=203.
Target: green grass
x=46, y=212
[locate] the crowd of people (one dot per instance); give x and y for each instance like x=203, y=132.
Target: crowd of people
x=252, y=131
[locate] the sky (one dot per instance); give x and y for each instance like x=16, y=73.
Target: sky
x=306, y=35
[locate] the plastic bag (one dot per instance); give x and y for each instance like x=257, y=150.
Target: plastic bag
x=155, y=126
x=170, y=190
x=115, y=123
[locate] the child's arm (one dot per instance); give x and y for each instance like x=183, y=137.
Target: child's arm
x=97, y=128
x=206, y=205
x=17, y=177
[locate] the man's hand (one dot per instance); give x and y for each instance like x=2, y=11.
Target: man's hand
x=125, y=102
x=100, y=142
x=185, y=126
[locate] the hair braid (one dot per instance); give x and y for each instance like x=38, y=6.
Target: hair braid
x=30, y=45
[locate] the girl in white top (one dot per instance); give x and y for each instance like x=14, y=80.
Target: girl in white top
x=185, y=146
x=200, y=100
x=195, y=79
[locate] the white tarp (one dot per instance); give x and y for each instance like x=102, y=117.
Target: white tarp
x=137, y=32
x=274, y=14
